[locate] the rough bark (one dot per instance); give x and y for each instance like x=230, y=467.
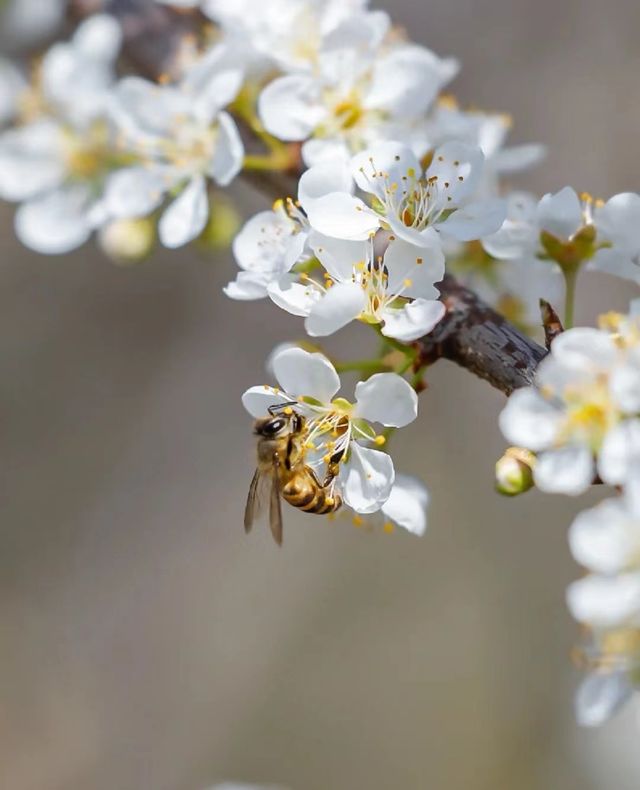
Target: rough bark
x=472, y=334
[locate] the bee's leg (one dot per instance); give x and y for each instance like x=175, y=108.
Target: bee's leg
x=278, y=408
x=333, y=467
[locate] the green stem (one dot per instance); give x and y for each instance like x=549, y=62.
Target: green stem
x=278, y=160
x=369, y=366
x=570, y=280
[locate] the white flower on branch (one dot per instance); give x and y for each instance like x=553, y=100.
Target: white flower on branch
x=268, y=246
x=58, y=160
x=394, y=290
x=406, y=507
x=182, y=137
x=576, y=418
x=421, y=209
x=355, y=99
x=308, y=383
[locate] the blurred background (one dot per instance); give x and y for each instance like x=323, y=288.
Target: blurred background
x=147, y=644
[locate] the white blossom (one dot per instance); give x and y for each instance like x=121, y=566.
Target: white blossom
x=309, y=383
x=268, y=246
x=359, y=94
x=572, y=414
x=57, y=162
x=418, y=208
x=395, y=290
x=183, y=137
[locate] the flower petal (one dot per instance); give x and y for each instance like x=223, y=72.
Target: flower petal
x=366, y=479
x=459, y=166
x=135, y=191
x=342, y=303
x=412, y=321
x=386, y=398
x=247, y=286
x=290, y=107
x=600, y=696
x=620, y=452
x=185, y=219
x=294, y=297
x=560, y=214
x=229, y=152
x=475, y=220
x=565, y=470
x=57, y=222
x=605, y=537
x=257, y=400
x=300, y=373
x=528, y=420
x=605, y=601
x=383, y=164
x=407, y=504
x=412, y=271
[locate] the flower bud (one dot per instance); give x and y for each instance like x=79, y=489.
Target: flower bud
x=514, y=472
x=128, y=241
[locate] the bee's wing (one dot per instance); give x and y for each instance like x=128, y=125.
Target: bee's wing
x=275, y=506
x=256, y=497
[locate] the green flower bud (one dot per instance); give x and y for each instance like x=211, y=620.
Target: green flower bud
x=514, y=472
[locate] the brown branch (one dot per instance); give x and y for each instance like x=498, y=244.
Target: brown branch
x=472, y=334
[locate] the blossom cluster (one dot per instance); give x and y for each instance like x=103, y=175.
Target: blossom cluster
x=397, y=186
x=581, y=422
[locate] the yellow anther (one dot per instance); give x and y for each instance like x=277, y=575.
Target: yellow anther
x=358, y=521
x=288, y=411
x=304, y=276
x=389, y=528
x=379, y=440
x=598, y=203
x=309, y=446
x=408, y=283
x=329, y=501
x=586, y=197
x=419, y=260
x=411, y=172
x=327, y=458
x=278, y=204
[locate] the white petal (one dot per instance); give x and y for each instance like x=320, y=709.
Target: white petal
x=625, y=384
x=366, y=479
x=620, y=452
x=135, y=191
x=528, y=420
x=605, y=601
x=560, y=214
x=229, y=152
x=322, y=180
x=388, y=399
x=518, y=235
x=412, y=321
x=185, y=219
x=517, y=158
x=475, y=220
x=412, y=271
x=300, y=373
x=12, y=83
x=338, y=256
x=600, y=696
x=294, y=297
x=99, y=37
x=31, y=160
x=618, y=221
x=325, y=150
x=454, y=161
x=383, y=164
x=618, y=262
x=407, y=80
x=269, y=243
x=606, y=537
x=585, y=349
x=257, y=400
x=290, y=107
x=342, y=303
x=342, y=216
x=565, y=470
x=247, y=286
x=407, y=504
x=55, y=223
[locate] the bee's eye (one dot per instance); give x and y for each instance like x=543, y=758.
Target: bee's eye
x=273, y=426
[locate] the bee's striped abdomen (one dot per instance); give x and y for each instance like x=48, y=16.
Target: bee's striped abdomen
x=304, y=492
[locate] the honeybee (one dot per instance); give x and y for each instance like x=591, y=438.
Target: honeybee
x=282, y=471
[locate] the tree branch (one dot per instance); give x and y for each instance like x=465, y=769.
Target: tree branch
x=472, y=334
